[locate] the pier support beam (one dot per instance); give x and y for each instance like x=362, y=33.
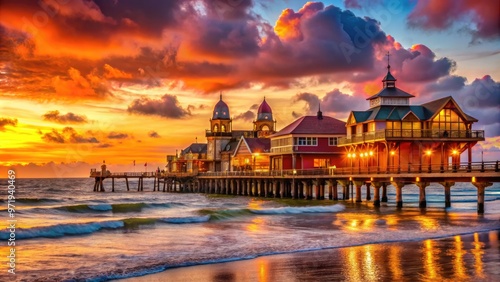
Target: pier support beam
x=422, y=202
x=376, y=193
x=334, y=190
x=112, y=184
x=399, y=193
x=384, y=192
x=447, y=193
x=481, y=186
x=358, y=190
x=368, y=196
x=345, y=191
x=295, y=189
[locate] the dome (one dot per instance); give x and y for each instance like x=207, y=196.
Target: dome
x=264, y=112
x=221, y=110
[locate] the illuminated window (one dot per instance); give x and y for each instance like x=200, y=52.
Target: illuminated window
x=320, y=163
x=216, y=128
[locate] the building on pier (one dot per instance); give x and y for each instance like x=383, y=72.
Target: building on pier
x=191, y=159
x=251, y=154
x=221, y=138
x=308, y=142
x=394, y=135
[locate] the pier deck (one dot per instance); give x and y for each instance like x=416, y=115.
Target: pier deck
x=301, y=183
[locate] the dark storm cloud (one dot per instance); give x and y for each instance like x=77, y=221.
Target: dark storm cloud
x=167, y=107
x=448, y=83
x=154, y=134
x=7, y=121
x=117, y=135
x=483, y=14
x=246, y=116
x=69, y=117
x=319, y=39
x=67, y=135
x=334, y=102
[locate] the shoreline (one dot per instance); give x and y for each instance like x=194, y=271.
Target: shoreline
x=271, y=267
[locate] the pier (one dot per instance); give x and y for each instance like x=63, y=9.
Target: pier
x=313, y=183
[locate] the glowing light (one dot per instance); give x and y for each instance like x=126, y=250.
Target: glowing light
x=428, y=152
x=354, y=155
x=393, y=153
x=418, y=179
x=349, y=155
x=454, y=152
x=371, y=153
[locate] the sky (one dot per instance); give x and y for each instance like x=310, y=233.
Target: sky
x=83, y=81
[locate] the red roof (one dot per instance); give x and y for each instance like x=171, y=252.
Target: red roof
x=313, y=125
x=264, y=108
x=258, y=145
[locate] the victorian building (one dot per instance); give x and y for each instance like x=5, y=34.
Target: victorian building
x=308, y=142
x=222, y=140
x=394, y=135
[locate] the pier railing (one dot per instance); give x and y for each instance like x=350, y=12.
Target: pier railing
x=412, y=168
x=405, y=134
x=350, y=171
x=142, y=174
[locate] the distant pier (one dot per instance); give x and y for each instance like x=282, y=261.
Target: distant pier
x=313, y=183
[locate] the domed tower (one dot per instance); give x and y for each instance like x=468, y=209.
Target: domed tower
x=264, y=125
x=219, y=134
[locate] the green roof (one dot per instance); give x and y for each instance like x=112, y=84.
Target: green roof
x=422, y=112
x=392, y=92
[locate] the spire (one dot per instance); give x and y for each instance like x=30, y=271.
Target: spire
x=388, y=65
x=320, y=114
x=389, y=81
x=221, y=95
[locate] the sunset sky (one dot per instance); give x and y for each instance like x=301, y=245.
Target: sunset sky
x=82, y=81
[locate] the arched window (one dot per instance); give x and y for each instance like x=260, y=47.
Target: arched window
x=223, y=128
x=216, y=128
x=264, y=128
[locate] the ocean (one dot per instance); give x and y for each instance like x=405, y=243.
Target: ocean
x=66, y=232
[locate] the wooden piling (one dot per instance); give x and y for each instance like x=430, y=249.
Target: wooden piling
x=126, y=181
x=399, y=193
x=112, y=184
x=358, y=185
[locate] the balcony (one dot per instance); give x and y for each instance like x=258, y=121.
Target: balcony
x=408, y=134
x=210, y=133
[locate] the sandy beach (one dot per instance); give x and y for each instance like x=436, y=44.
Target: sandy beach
x=470, y=257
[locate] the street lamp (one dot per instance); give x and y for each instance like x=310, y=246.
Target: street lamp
x=454, y=154
x=429, y=153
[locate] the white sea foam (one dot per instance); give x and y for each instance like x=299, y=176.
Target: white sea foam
x=60, y=230
x=298, y=210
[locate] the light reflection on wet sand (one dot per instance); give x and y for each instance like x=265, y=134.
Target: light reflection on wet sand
x=473, y=257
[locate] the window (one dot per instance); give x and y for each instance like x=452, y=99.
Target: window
x=216, y=128
x=332, y=141
x=306, y=141
x=320, y=162
x=223, y=128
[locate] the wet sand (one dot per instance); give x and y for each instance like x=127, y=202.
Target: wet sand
x=471, y=257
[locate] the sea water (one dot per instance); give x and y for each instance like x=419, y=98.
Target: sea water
x=64, y=231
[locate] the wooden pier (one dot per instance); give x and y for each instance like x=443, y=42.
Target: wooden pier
x=312, y=184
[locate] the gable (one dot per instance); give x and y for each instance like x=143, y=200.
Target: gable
x=410, y=116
